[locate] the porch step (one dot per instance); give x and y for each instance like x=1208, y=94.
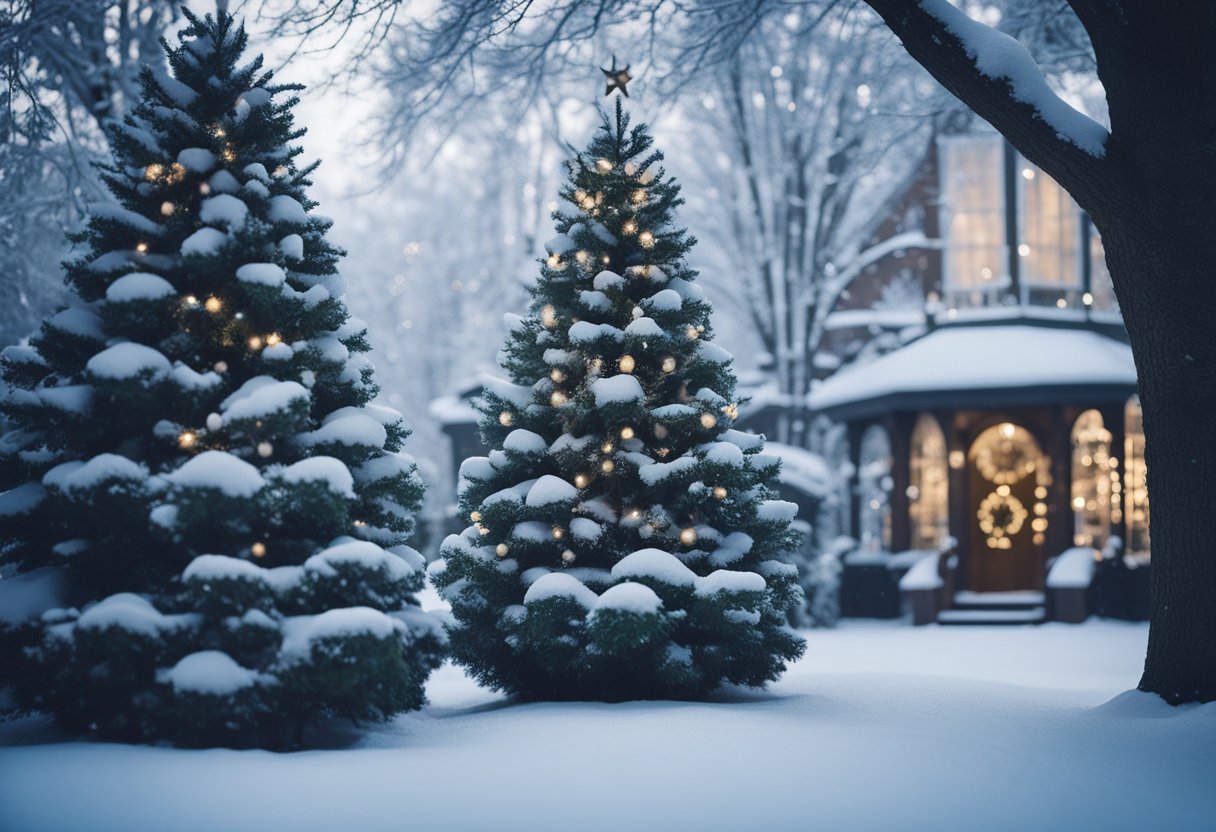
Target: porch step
x=998, y=600
x=1016, y=615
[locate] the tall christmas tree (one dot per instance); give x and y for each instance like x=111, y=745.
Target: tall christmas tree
x=623, y=540
x=195, y=456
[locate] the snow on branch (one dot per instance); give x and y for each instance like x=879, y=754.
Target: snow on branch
x=1001, y=57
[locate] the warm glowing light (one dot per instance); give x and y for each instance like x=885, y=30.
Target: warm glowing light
x=190, y=300
x=229, y=154
x=506, y=419
x=688, y=536
x=663, y=452
x=204, y=188
x=141, y=247
x=719, y=492
x=638, y=196
x=221, y=367
x=957, y=459
x=548, y=316
x=607, y=466
x=692, y=333
x=1007, y=430
x=607, y=447
x=629, y=227
x=567, y=556
x=581, y=256
x=669, y=364
x=660, y=431
x=273, y=338
x=558, y=532
x=153, y=171
x=708, y=420
x=554, y=261
x=557, y=375
x=475, y=516
x=265, y=449
x=557, y=398
x=627, y=433
x=626, y=363
x=646, y=239
x=258, y=550
x=167, y=208
x=501, y=550
x=581, y=480
x=603, y=165
x=186, y=440
x=213, y=304
x=255, y=343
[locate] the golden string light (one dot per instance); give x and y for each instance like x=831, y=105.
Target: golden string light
x=548, y=316
x=582, y=480
x=141, y=247
x=258, y=550
x=557, y=398
x=669, y=364
x=627, y=433
x=213, y=304
x=607, y=466
x=255, y=343
x=475, y=516
x=558, y=532
x=506, y=418
x=186, y=440
x=708, y=420
x=626, y=363
x=167, y=208
x=719, y=492
x=501, y=550
x=629, y=227
x=688, y=536
x=557, y=375
x=265, y=449
x=603, y=165
x=646, y=239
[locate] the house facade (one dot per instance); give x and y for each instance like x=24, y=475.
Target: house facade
x=1001, y=429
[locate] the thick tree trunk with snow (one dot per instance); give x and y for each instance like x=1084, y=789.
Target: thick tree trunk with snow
x=1151, y=189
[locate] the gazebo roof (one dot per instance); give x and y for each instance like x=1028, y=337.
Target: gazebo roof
x=982, y=366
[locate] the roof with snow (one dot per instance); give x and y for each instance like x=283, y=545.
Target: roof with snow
x=997, y=365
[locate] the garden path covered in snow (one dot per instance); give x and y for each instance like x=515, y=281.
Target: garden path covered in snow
x=881, y=726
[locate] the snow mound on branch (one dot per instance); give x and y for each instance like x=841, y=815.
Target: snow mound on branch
x=222, y=567
x=713, y=353
x=127, y=360
x=219, y=470
x=617, y=389
x=516, y=394
x=333, y=472
x=209, y=672
x=524, y=442
x=197, y=159
x=355, y=429
x=300, y=632
x=777, y=510
x=264, y=400
x=725, y=580
x=657, y=564
x=225, y=209
x=584, y=332
x=629, y=597
x=139, y=286
x=77, y=321
x=99, y=469
x=560, y=245
x=204, y=241
x=549, y=490
x=292, y=247
x=177, y=92
x=27, y=596
x=585, y=529
x=559, y=585
x=644, y=328
x=129, y=612
x=286, y=209
x=223, y=182
x=359, y=553
x=607, y=280
x=667, y=300
x=21, y=500
x=75, y=398
x=266, y=274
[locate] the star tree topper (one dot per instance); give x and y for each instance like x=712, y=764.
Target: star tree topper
x=617, y=78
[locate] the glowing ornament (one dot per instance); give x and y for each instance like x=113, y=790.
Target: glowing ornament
x=567, y=556
x=213, y=304
x=646, y=239
x=506, y=419
x=688, y=536
x=581, y=480
x=627, y=433
x=557, y=375
x=607, y=466
x=265, y=449
x=548, y=316
x=669, y=364
x=255, y=343
x=558, y=532
x=626, y=364
x=629, y=227
x=501, y=550
x=475, y=516
x=186, y=440
x=141, y=247
x=258, y=550
x=167, y=208
x=221, y=367
x=603, y=165
x=719, y=492
x=708, y=420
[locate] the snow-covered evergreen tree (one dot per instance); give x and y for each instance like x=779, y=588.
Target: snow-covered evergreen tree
x=195, y=455
x=624, y=539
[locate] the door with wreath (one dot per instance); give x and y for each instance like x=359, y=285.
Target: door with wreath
x=1008, y=513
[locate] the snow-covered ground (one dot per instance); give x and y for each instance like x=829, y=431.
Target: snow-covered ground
x=882, y=726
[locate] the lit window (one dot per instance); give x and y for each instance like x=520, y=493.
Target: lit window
x=928, y=490
x=874, y=489
x=1049, y=232
x=1094, y=481
x=1135, y=479
x=973, y=212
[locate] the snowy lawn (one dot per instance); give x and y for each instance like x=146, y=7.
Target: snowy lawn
x=881, y=726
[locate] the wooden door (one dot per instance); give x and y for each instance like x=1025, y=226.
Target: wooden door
x=1005, y=465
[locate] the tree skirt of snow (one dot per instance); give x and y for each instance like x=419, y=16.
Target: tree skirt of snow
x=927, y=728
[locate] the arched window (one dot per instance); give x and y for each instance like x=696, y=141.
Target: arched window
x=928, y=489
x=874, y=489
x=1135, y=477
x=1093, y=480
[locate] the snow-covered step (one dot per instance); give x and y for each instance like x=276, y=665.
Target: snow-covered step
x=1033, y=615
x=1025, y=598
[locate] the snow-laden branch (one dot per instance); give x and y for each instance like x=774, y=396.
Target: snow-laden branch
x=840, y=281
x=1001, y=57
